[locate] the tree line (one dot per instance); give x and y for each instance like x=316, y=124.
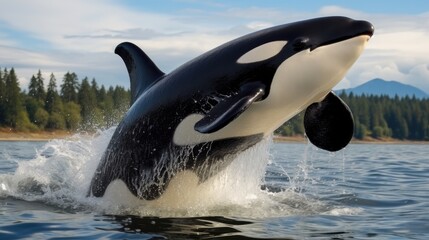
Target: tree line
x=84, y=105
x=378, y=117
x=76, y=105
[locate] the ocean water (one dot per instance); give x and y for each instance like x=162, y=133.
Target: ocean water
x=273, y=191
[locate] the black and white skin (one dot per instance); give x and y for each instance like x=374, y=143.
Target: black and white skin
x=196, y=119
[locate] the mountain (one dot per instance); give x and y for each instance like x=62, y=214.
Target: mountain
x=382, y=87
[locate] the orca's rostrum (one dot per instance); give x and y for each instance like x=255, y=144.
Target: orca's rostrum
x=200, y=116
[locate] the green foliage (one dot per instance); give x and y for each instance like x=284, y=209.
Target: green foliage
x=13, y=106
x=360, y=131
x=86, y=106
x=52, y=97
x=56, y=121
x=36, y=88
x=293, y=127
x=72, y=115
x=70, y=87
x=87, y=100
x=81, y=106
x=2, y=97
x=41, y=118
x=32, y=87
x=32, y=105
x=23, y=123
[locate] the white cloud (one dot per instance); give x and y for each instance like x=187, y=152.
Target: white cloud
x=333, y=10
x=399, y=49
x=80, y=36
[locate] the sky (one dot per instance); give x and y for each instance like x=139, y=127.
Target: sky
x=80, y=36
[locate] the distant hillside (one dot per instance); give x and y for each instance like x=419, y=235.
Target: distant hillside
x=381, y=87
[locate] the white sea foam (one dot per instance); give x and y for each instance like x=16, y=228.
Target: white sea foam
x=62, y=170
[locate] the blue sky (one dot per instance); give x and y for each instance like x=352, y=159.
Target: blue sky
x=80, y=35
x=369, y=6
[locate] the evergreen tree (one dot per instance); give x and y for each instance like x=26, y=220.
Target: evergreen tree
x=360, y=131
x=41, y=118
x=32, y=105
x=88, y=104
x=36, y=88
x=121, y=102
x=32, y=87
x=69, y=87
x=51, y=94
x=72, y=116
x=94, y=107
x=381, y=117
x=108, y=109
x=2, y=96
x=34, y=101
x=101, y=94
x=41, y=94
x=94, y=87
x=57, y=116
x=54, y=106
x=13, y=101
x=56, y=121
x=15, y=114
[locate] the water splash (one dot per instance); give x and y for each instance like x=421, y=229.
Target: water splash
x=61, y=172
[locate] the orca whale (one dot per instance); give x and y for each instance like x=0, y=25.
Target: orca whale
x=199, y=117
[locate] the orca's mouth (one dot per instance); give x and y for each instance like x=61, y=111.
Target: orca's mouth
x=359, y=28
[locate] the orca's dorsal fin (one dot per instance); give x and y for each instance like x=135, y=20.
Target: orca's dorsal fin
x=141, y=69
x=229, y=109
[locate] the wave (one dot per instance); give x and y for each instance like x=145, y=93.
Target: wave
x=60, y=173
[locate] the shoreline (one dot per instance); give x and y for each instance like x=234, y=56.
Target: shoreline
x=42, y=136
x=368, y=140
x=11, y=135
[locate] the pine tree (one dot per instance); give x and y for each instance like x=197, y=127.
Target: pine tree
x=72, y=116
x=13, y=100
x=36, y=88
x=379, y=116
x=2, y=96
x=35, y=101
x=32, y=87
x=101, y=94
x=88, y=103
x=94, y=86
x=15, y=114
x=41, y=94
x=121, y=102
x=54, y=106
x=51, y=94
x=69, y=87
x=109, y=109
x=32, y=105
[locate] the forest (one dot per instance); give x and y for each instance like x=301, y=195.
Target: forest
x=379, y=117
x=83, y=105
x=77, y=106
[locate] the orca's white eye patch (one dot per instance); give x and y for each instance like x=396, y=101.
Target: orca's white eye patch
x=262, y=52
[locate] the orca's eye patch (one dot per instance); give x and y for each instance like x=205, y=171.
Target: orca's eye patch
x=301, y=43
x=262, y=52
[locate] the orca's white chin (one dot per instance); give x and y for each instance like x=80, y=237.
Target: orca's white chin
x=308, y=76
x=301, y=80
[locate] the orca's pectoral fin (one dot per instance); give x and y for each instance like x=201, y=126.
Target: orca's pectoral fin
x=226, y=111
x=329, y=123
